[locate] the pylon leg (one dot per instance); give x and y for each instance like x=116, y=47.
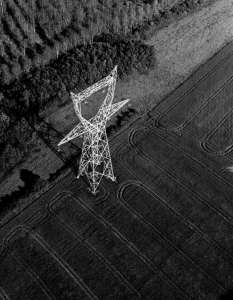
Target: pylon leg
x=95, y=160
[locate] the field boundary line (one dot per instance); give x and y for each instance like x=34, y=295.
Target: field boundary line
x=134, y=249
x=99, y=255
x=161, y=234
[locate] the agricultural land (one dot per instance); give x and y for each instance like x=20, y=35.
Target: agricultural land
x=163, y=229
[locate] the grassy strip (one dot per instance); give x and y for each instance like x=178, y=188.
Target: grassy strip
x=34, y=185
x=81, y=67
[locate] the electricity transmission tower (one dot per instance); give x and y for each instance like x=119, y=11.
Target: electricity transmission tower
x=95, y=159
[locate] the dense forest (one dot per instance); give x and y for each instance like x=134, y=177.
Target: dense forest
x=34, y=32
x=24, y=98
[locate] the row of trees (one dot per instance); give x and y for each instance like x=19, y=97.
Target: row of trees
x=73, y=71
x=35, y=32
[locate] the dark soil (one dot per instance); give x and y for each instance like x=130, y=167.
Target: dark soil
x=163, y=230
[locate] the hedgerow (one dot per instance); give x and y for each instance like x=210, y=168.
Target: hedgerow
x=84, y=65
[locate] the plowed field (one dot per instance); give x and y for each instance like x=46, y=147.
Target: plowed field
x=163, y=230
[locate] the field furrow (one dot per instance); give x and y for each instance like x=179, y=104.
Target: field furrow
x=166, y=285
x=107, y=243
x=56, y=274
x=220, y=137
x=76, y=222
x=189, y=203
x=3, y=294
x=13, y=273
x=35, y=277
x=194, y=247
x=99, y=278
x=194, y=176
x=195, y=96
x=206, y=119
x=154, y=247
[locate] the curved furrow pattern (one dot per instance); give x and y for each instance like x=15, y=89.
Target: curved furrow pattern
x=134, y=249
x=198, y=231
x=182, y=233
x=97, y=253
x=20, y=282
x=193, y=158
x=174, y=178
x=186, y=159
x=194, y=195
x=212, y=149
x=209, y=147
x=37, y=219
x=204, y=142
x=180, y=99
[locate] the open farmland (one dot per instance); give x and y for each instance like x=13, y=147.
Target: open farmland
x=163, y=230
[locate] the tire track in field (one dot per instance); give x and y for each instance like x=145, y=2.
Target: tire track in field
x=186, y=221
x=204, y=142
x=190, y=156
x=161, y=234
x=198, y=231
x=161, y=115
x=3, y=294
x=99, y=255
x=134, y=249
x=55, y=255
x=170, y=175
x=33, y=275
x=200, y=108
x=218, y=150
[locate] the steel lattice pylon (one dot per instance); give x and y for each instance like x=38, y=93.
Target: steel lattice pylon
x=95, y=159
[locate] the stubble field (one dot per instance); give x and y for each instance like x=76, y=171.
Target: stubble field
x=163, y=230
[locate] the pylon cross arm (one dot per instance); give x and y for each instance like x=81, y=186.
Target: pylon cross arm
x=115, y=107
x=79, y=130
x=95, y=161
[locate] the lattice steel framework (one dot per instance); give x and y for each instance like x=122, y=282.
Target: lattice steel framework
x=95, y=160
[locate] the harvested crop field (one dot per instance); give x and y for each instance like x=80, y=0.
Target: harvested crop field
x=163, y=230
